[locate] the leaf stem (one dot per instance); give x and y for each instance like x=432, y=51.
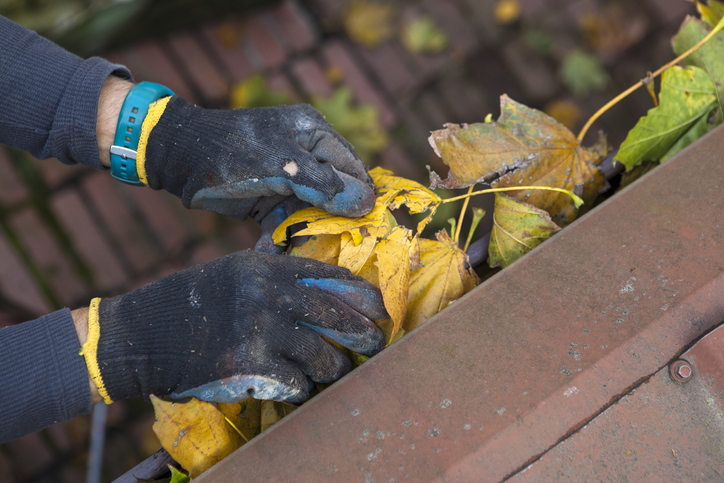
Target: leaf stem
x=237, y=429
x=577, y=200
x=478, y=214
x=628, y=91
x=462, y=215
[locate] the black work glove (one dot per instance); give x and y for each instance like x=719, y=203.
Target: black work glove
x=247, y=324
x=228, y=161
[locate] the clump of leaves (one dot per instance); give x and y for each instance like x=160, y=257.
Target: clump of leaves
x=507, y=11
x=359, y=124
x=525, y=152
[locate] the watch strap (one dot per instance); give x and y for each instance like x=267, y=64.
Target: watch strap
x=128, y=130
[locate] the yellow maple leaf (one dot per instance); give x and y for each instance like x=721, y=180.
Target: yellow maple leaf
x=273, y=411
x=353, y=257
x=394, y=255
x=404, y=191
x=194, y=433
x=324, y=248
x=319, y=222
x=444, y=275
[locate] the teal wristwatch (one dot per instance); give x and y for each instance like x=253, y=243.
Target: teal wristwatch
x=128, y=129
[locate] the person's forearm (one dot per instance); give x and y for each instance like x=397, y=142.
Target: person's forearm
x=51, y=105
x=113, y=93
x=80, y=320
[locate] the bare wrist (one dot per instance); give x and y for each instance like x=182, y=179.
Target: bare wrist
x=110, y=102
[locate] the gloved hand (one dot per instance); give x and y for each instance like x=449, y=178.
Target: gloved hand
x=247, y=324
x=227, y=160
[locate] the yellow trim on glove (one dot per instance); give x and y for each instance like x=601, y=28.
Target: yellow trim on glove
x=90, y=350
x=155, y=111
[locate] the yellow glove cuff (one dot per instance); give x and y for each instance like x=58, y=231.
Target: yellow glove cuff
x=155, y=111
x=90, y=349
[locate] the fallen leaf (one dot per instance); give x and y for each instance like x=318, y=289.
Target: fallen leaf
x=194, y=433
x=324, y=248
x=354, y=257
x=507, y=11
x=524, y=147
x=706, y=123
x=421, y=35
x=269, y=415
x=444, y=275
x=564, y=111
x=369, y=22
x=712, y=13
x=583, y=74
x=413, y=195
x=319, y=222
x=358, y=124
x=394, y=258
x=273, y=411
x=177, y=476
x=687, y=94
x=517, y=228
x=244, y=415
x=709, y=57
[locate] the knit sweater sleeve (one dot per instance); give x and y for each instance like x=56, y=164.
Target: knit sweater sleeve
x=43, y=376
x=49, y=97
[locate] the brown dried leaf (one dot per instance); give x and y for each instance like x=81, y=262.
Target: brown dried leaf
x=523, y=147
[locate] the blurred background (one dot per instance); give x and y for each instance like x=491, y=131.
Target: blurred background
x=385, y=74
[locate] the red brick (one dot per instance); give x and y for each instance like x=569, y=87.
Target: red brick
x=12, y=189
x=672, y=11
x=163, y=220
x=211, y=84
x=463, y=99
x=87, y=239
x=43, y=248
x=206, y=252
x=135, y=242
x=390, y=65
x=203, y=222
x=449, y=18
x=30, y=455
x=279, y=82
x=481, y=12
x=55, y=173
x=270, y=50
x=330, y=11
x=295, y=24
x=152, y=64
x=433, y=111
x=16, y=282
x=236, y=63
x=398, y=161
x=534, y=75
x=337, y=54
x=312, y=78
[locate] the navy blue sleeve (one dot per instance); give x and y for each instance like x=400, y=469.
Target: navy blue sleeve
x=43, y=377
x=49, y=97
